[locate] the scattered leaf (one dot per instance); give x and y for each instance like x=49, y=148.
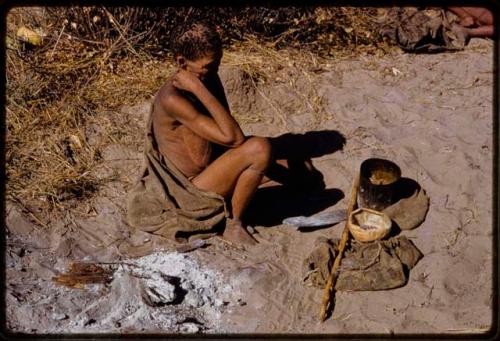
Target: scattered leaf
x=396, y=72
x=29, y=36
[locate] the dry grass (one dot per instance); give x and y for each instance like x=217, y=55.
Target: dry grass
x=47, y=153
x=53, y=94
x=56, y=91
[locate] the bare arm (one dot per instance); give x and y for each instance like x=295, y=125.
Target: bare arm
x=220, y=128
x=219, y=92
x=482, y=31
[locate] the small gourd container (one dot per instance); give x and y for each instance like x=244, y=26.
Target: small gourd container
x=367, y=225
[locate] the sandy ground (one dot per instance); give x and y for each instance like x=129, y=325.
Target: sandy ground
x=431, y=114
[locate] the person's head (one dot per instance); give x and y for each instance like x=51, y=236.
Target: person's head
x=197, y=48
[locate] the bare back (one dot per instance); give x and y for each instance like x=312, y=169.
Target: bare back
x=188, y=151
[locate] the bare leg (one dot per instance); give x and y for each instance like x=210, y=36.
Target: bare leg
x=237, y=174
x=481, y=31
x=481, y=15
x=465, y=18
x=477, y=20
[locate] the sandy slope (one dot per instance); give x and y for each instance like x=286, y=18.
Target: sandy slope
x=431, y=114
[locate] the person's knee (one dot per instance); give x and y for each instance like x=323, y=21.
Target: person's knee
x=258, y=149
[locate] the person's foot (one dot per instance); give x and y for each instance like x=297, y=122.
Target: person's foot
x=236, y=233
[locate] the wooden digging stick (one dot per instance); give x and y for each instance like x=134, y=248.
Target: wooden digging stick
x=328, y=292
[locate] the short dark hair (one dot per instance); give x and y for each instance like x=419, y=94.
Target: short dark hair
x=195, y=40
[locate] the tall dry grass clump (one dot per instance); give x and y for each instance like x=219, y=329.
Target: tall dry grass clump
x=93, y=60
x=56, y=90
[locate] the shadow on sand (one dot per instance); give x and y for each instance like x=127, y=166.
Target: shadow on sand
x=309, y=145
x=273, y=204
x=305, y=194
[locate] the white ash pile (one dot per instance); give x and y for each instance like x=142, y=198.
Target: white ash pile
x=162, y=292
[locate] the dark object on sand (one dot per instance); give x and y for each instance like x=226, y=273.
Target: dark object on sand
x=372, y=266
x=409, y=212
x=376, y=183
x=430, y=30
x=81, y=273
x=319, y=262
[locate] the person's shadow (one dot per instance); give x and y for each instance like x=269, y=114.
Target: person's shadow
x=308, y=145
x=302, y=192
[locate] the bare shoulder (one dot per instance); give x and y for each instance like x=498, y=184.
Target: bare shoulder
x=173, y=102
x=167, y=97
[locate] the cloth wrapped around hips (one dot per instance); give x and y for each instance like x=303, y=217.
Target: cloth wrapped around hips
x=376, y=265
x=164, y=202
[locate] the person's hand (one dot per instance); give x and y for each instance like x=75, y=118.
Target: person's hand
x=187, y=81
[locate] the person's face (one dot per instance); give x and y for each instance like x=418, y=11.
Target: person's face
x=203, y=68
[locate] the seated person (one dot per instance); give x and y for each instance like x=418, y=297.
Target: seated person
x=195, y=130
x=476, y=21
